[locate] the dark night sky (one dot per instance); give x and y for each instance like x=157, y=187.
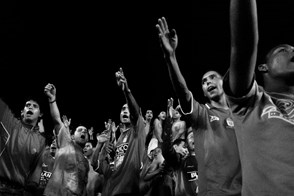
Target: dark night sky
x=78, y=46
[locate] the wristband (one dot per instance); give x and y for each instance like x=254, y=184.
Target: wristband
x=52, y=101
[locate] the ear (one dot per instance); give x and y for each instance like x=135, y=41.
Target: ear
x=41, y=115
x=263, y=68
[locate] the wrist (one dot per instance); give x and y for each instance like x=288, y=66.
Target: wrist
x=52, y=101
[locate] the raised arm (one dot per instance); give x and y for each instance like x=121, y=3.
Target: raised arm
x=133, y=105
x=169, y=42
x=50, y=91
x=101, y=139
x=244, y=42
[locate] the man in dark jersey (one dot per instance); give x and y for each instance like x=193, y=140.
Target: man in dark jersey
x=130, y=146
x=43, y=171
x=180, y=157
x=216, y=145
x=21, y=146
x=263, y=116
x=70, y=171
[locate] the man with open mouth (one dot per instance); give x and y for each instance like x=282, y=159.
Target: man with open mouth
x=21, y=145
x=123, y=177
x=70, y=172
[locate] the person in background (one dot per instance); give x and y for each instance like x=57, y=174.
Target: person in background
x=70, y=172
x=95, y=180
x=123, y=179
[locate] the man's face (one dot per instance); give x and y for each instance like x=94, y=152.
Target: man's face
x=162, y=115
x=125, y=114
x=88, y=149
x=212, y=85
x=181, y=149
x=176, y=113
x=281, y=62
x=81, y=135
x=31, y=112
x=149, y=115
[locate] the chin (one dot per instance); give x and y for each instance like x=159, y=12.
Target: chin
x=27, y=120
x=125, y=120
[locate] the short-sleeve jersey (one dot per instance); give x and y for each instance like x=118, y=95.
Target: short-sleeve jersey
x=20, y=147
x=47, y=168
x=265, y=132
x=216, y=150
x=186, y=177
x=128, y=162
x=70, y=172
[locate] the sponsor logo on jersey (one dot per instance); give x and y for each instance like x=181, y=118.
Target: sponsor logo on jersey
x=284, y=111
x=229, y=123
x=192, y=175
x=213, y=118
x=120, y=153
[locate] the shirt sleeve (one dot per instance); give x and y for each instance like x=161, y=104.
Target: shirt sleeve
x=63, y=137
x=240, y=105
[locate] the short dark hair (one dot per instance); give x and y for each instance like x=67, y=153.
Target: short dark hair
x=178, y=141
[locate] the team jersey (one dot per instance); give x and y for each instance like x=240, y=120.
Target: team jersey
x=47, y=168
x=184, y=170
x=128, y=162
x=20, y=147
x=265, y=132
x=70, y=172
x=186, y=177
x=216, y=150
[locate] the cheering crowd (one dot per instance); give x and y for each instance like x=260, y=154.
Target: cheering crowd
x=238, y=143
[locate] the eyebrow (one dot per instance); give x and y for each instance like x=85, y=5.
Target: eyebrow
x=205, y=78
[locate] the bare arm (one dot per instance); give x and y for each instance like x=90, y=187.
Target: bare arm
x=158, y=130
x=244, y=42
x=101, y=139
x=133, y=105
x=169, y=42
x=50, y=91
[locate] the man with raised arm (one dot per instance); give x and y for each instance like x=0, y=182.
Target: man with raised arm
x=263, y=116
x=216, y=146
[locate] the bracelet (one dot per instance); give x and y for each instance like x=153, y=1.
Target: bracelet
x=52, y=101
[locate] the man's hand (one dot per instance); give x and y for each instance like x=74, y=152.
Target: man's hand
x=102, y=138
x=91, y=132
x=50, y=91
x=120, y=79
x=168, y=40
x=66, y=121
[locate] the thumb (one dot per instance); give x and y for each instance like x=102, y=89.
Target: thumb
x=173, y=33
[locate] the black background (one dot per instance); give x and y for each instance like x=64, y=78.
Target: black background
x=79, y=45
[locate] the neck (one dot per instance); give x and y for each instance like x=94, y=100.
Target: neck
x=220, y=103
x=125, y=127
x=29, y=122
x=278, y=86
x=80, y=144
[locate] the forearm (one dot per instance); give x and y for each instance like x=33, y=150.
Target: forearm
x=133, y=105
x=55, y=115
x=95, y=156
x=178, y=81
x=158, y=130
x=244, y=41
